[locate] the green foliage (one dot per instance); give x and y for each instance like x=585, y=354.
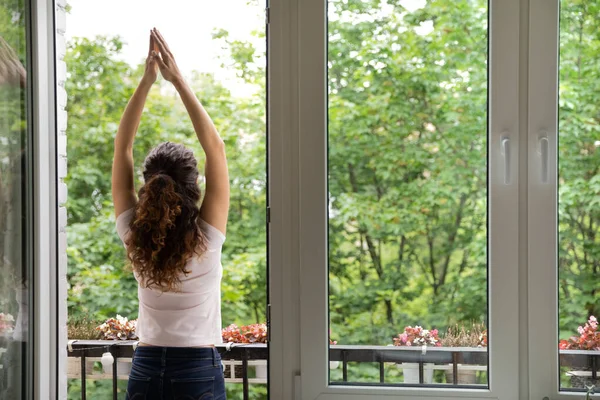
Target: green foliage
x=96, y=389
x=255, y=392
x=407, y=167
x=579, y=164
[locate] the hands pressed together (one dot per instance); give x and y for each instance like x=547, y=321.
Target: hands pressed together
x=160, y=58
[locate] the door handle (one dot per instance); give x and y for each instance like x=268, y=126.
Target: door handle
x=544, y=144
x=505, y=151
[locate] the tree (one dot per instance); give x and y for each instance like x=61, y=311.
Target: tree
x=407, y=165
x=579, y=164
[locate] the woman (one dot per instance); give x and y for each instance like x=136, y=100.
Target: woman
x=174, y=246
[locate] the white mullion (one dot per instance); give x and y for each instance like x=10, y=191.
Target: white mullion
x=503, y=205
x=284, y=337
x=542, y=200
x=312, y=122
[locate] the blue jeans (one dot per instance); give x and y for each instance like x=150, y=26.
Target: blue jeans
x=176, y=373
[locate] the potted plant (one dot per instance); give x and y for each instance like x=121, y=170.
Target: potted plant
x=417, y=336
x=588, y=339
x=461, y=336
x=247, y=334
x=254, y=333
x=81, y=328
x=119, y=328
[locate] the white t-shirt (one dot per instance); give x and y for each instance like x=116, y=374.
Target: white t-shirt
x=192, y=315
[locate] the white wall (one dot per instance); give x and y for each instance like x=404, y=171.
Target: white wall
x=61, y=144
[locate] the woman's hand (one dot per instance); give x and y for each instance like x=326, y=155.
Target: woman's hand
x=166, y=61
x=151, y=71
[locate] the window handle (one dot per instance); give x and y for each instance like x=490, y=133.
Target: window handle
x=505, y=150
x=543, y=151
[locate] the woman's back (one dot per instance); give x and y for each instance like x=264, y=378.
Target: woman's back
x=191, y=315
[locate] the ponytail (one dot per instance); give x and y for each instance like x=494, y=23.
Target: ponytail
x=158, y=208
x=164, y=233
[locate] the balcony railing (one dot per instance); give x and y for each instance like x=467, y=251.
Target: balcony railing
x=240, y=359
x=443, y=358
x=237, y=360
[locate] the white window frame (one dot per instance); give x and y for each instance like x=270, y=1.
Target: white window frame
x=309, y=243
x=544, y=373
x=43, y=326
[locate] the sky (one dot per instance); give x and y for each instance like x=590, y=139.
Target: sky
x=187, y=25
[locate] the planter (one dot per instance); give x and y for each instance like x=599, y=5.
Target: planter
x=74, y=367
x=411, y=372
x=465, y=376
x=234, y=369
x=123, y=368
x=261, y=371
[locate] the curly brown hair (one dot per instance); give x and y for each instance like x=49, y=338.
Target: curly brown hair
x=165, y=230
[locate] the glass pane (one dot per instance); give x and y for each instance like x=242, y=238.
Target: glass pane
x=14, y=192
x=408, y=192
x=579, y=194
x=220, y=47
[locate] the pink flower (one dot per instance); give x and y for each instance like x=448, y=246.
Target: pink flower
x=589, y=337
x=563, y=345
x=254, y=333
x=417, y=336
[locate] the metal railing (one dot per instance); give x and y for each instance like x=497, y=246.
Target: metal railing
x=585, y=365
x=86, y=352
x=240, y=359
x=443, y=358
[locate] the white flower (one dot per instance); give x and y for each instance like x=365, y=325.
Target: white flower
x=6, y=317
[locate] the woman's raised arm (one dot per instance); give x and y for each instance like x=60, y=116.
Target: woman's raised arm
x=123, y=189
x=215, y=206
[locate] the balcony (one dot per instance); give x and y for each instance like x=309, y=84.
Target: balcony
x=246, y=364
